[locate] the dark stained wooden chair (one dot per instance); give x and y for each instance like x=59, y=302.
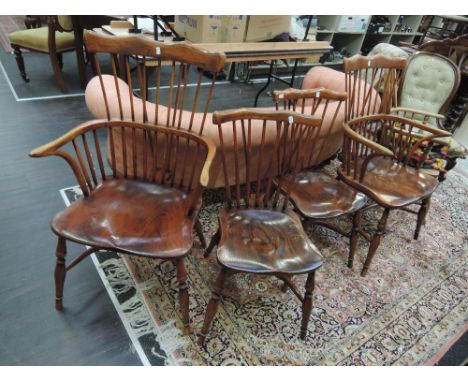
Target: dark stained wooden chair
x=258, y=233
x=379, y=161
x=54, y=39
x=147, y=211
x=143, y=80
x=317, y=196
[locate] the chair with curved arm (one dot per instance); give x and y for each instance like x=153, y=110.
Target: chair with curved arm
x=429, y=83
x=258, y=232
x=54, y=39
x=317, y=196
x=147, y=211
x=379, y=161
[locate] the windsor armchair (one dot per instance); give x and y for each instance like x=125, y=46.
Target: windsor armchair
x=378, y=160
x=147, y=210
x=257, y=232
x=316, y=195
x=142, y=69
x=54, y=39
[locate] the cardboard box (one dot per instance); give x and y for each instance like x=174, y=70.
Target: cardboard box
x=211, y=29
x=262, y=28
x=352, y=23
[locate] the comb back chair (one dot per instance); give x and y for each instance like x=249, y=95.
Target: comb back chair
x=378, y=160
x=144, y=211
x=317, y=196
x=258, y=232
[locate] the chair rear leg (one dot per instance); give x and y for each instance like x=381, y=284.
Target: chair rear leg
x=214, y=242
x=60, y=272
x=354, y=237
x=426, y=203
x=199, y=231
x=60, y=60
x=57, y=72
x=20, y=63
x=375, y=242
x=212, y=307
x=307, y=304
x=183, y=295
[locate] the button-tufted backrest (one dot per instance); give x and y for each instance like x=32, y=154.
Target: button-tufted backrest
x=429, y=82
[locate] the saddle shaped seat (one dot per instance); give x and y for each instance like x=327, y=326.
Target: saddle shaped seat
x=132, y=216
x=265, y=241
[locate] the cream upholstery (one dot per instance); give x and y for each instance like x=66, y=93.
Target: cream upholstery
x=429, y=81
x=388, y=50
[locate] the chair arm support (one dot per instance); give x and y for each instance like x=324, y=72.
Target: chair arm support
x=417, y=112
x=379, y=149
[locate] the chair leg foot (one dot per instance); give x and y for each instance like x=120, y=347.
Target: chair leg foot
x=58, y=72
x=307, y=304
x=422, y=216
x=60, y=272
x=213, y=243
x=183, y=295
x=212, y=306
x=20, y=63
x=375, y=242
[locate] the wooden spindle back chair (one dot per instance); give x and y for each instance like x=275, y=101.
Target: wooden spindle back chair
x=319, y=102
x=154, y=63
x=257, y=232
x=317, y=196
x=382, y=155
x=377, y=92
x=146, y=215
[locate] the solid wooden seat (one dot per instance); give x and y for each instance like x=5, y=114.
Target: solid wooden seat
x=265, y=241
x=392, y=184
x=317, y=195
x=130, y=216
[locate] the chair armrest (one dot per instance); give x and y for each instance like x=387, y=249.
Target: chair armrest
x=426, y=115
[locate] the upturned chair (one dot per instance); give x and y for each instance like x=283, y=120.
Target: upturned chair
x=317, y=196
x=258, y=233
x=143, y=211
x=54, y=39
x=379, y=161
x=137, y=65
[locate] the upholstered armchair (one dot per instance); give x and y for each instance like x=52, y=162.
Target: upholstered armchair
x=54, y=39
x=428, y=85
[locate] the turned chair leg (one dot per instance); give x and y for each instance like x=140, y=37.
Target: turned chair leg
x=354, y=238
x=307, y=304
x=212, y=305
x=213, y=243
x=183, y=295
x=426, y=203
x=57, y=72
x=199, y=231
x=20, y=63
x=375, y=242
x=60, y=272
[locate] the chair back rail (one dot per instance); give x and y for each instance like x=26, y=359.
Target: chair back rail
x=180, y=159
x=259, y=186
x=380, y=74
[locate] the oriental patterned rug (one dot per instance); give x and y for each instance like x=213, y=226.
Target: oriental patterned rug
x=407, y=311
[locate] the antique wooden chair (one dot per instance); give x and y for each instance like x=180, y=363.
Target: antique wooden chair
x=429, y=83
x=379, y=161
x=257, y=232
x=317, y=196
x=138, y=65
x=54, y=39
x=143, y=211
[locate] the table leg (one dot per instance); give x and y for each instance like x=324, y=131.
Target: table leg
x=267, y=83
